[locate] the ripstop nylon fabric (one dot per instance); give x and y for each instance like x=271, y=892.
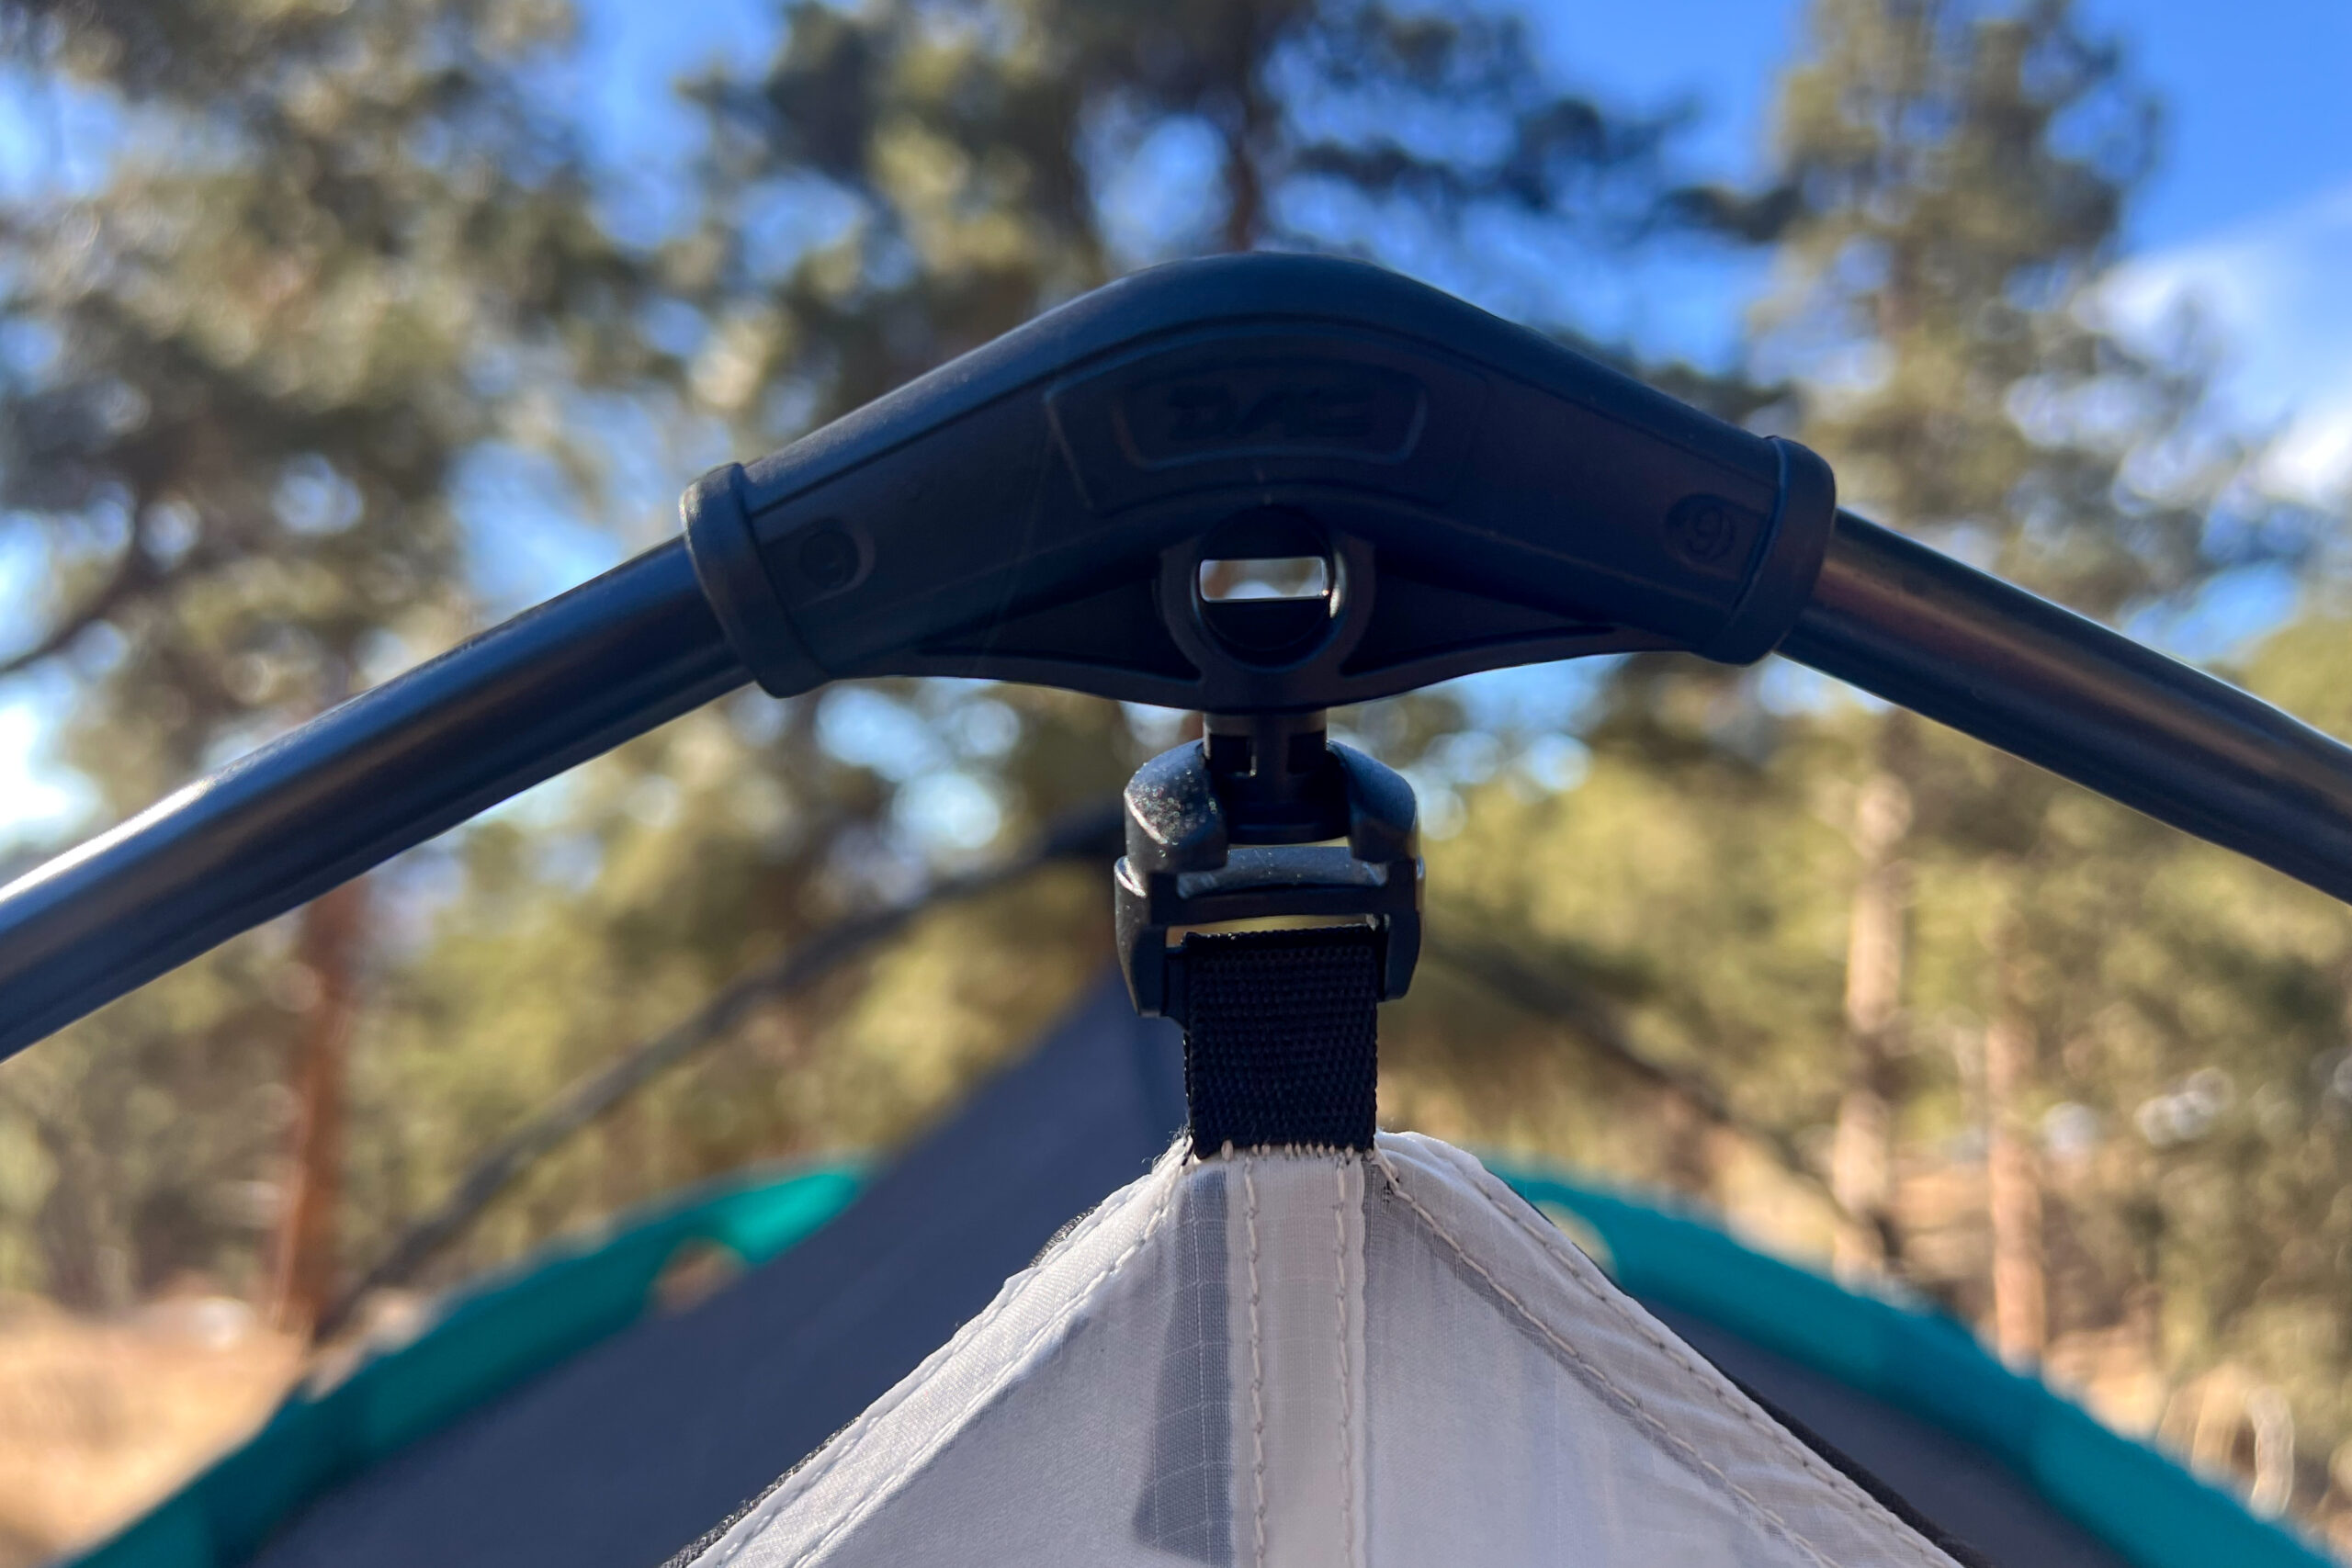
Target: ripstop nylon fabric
x=1317, y=1360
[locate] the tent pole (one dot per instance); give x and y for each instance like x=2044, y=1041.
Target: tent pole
x=354, y=786
x=1930, y=634
x=998, y=519
x=638, y=646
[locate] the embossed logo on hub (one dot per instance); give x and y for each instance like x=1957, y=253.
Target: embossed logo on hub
x=1276, y=410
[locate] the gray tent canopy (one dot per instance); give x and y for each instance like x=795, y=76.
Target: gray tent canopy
x=641, y=1442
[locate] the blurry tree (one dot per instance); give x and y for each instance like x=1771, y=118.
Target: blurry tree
x=2039, y=1099
x=340, y=270
x=1965, y=170
x=245, y=357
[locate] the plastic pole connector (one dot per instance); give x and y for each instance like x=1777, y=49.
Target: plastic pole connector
x=1804, y=519
x=1042, y=509
x=726, y=555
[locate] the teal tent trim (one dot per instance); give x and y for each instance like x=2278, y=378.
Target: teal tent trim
x=488, y=1337
x=564, y=1300
x=2148, y=1510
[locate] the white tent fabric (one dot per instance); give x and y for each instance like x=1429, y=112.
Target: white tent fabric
x=1310, y=1359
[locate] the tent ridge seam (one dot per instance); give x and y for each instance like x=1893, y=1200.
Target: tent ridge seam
x=1549, y=1238
x=1339, y=1283
x=1522, y=1214
x=1257, y=1367
x=1788, y=1531
x=859, y=1508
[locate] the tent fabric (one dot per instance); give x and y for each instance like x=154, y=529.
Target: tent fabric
x=623, y=1459
x=2021, y=1473
x=617, y=1449
x=505, y=1331
x=1317, y=1360
x=617, y=1454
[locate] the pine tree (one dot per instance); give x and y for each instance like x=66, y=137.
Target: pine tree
x=341, y=255
x=2061, y=1010
x=1967, y=169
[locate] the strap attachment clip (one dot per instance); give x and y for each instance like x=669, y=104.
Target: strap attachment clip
x=1226, y=828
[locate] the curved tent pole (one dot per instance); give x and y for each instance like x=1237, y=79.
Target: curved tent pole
x=1043, y=509
x=1913, y=625
x=354, y=786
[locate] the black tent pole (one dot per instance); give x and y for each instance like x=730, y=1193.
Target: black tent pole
x=354, y=786
x=613, y=659
x=1046, y=510
x=1927, y=633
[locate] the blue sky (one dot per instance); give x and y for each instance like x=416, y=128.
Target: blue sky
x=2250, y=214
x=2259, y=115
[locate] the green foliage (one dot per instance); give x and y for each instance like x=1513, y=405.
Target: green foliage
x=337, y=262
x=1963, y=171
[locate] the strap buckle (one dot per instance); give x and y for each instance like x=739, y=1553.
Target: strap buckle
x=1225, y=828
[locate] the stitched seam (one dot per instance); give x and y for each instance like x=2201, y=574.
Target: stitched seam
x=842, y=1442
x=1053, y=1325
x=1811, y=1462
x=1257, y=1369
x=1347, y=1412
x=1526, y=1315
x=1575, y=1265
x=996, y=1385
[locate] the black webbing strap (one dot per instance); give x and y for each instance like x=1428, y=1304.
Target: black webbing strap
x=1279, y=1041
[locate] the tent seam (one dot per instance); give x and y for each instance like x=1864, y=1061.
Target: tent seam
x=1395, y=1185
x=1347, y=1412
x=1812, y=1464
x=980, y=1397
x=1257, y=1368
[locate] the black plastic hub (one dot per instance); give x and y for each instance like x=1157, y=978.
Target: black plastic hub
x=1041, y=510
x=1072, y=505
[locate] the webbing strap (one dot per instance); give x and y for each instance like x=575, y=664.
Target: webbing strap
x=1280, y=1045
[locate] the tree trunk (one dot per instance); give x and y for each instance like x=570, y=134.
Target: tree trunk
x=1245, y=199
x=67, y=1226
x=329, y=948
x=2013, y=1186
x=1862, y=1158
x=1687, y=1137
x=1245, y=125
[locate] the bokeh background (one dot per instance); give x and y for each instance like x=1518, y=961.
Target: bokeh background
x=333, y=330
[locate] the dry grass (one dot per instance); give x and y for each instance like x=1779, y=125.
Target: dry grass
x=99, y=1420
